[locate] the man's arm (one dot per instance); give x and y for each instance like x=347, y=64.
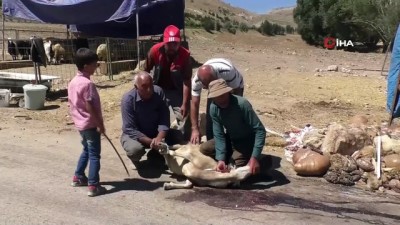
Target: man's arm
x=194, y=112
x=129, y=126
x=195, y=102
x=164, y=123
x=148, y=66
x=219, y=135
x=187, y=79
x=258, y=128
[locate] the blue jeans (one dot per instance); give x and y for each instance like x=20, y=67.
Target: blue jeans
x=91, y=153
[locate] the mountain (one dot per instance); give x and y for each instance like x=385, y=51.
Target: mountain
x=281, y=16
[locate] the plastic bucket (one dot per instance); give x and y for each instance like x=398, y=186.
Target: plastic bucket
x=34, y=96
x=4, y=97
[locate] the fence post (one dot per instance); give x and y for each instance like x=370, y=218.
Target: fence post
x=109, y=66
x=137, y=35
x=4, y=52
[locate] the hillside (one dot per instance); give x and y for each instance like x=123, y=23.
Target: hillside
x=281, y=16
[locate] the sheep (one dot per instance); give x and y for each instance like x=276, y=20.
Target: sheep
x=12, y=49
x=102, y=52
x=59, y=52
x=119, y=51
x=48, y=47
x=24, y=48
x=199, y=169
x=19, y=47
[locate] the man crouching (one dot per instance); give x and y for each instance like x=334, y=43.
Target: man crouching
x=234, y=115
x=145, y=119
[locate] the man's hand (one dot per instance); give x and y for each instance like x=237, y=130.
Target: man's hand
x=155, y=143
x=254, y=165
x=222, y=167
x=195, y=139
x=184, y=110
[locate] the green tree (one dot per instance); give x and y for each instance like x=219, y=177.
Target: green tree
x=243, y=27
x=309, y=22
x=289, y=29
x=230, y=28
x=208, y=24
x=380, y=17
x=219, y=26
x=266, y=28
x=366, y=21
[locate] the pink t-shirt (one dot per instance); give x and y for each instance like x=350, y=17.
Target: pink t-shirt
x=81, y=90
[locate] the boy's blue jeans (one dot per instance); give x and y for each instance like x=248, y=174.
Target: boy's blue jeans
x=90, y=154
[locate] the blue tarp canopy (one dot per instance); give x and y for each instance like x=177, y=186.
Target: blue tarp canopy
x=105, y=18
x=393, y=77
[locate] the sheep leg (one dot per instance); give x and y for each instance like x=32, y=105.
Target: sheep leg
x=172, y=185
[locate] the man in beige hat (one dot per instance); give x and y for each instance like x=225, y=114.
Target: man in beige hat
x=234, y=115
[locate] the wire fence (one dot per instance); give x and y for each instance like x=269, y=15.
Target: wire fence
x=116, y=56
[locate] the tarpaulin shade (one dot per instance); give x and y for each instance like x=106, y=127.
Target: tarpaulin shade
x=106, y=18
x=392, y=79
x=152, y=21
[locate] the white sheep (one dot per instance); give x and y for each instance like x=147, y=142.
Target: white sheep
x=102, y=52
x=49, y=51
x=59, y=52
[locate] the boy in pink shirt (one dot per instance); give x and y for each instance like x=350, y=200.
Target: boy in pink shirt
x=85, y=110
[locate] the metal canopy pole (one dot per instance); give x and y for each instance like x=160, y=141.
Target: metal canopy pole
x=137, y=33
x=109, y=60
x=3, y=25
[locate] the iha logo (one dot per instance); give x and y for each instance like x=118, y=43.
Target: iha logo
x=331, y=43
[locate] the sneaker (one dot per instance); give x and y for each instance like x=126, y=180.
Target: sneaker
x=96, y=190
x=78, y=182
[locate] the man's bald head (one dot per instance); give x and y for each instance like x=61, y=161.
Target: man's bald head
x=206, y=74
x=144, y=84
x=141, y=77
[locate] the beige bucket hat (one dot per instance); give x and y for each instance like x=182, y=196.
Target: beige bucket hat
x=217, y=88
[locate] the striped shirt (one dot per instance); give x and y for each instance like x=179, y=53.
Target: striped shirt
x=225, y=70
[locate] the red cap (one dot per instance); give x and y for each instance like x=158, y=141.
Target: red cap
x=172, y=34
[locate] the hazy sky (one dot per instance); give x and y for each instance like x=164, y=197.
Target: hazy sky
x=261, y=6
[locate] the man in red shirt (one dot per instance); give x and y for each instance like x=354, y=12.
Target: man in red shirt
x=173, y=73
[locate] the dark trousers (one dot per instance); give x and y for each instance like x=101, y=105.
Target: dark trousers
x=90, y=154
x=175, y=100
x=136, y=150
x=237, y=158
x=234, y=156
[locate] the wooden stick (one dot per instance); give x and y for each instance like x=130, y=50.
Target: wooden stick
x=378, y=158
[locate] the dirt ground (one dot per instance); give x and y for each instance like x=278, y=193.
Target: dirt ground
x=40, y=148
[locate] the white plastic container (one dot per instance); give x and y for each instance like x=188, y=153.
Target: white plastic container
x=34, y=96
x=4, y=98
